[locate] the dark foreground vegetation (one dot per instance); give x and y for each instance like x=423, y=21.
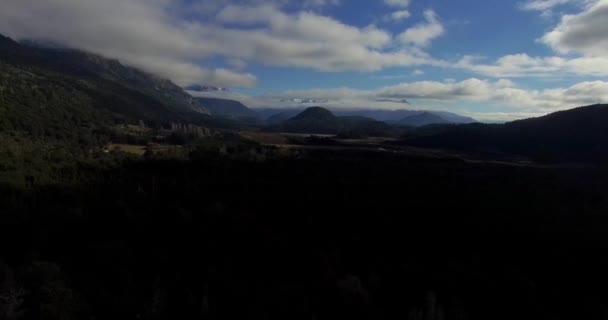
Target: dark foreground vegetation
x=251, y=232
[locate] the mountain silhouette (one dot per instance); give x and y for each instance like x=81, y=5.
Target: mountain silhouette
x=422, y=119
x=575, y=135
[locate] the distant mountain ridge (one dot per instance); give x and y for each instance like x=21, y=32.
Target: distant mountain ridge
x=423, y=119
x=229, y=109
x=122, y=93
x=388, y=116
x=315, y=113
x=201, y=88
x=312, y=120
x=75, y=98
x=579, y=134
x=83, y=64
x=317, y=120
x=278, y=118
x=397, y=115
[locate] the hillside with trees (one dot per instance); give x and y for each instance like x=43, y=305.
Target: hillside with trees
x=229, y=109
x=576, y=135
x=317, y=120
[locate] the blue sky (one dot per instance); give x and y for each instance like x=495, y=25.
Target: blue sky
x=493, y=60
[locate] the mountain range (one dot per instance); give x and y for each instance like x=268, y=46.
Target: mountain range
x=69, y=90
x=575, y=135
x=69, y=95
x=422, y=119
x=201, y=88
x=274, y=115
x=73, y=98
x=131, y=95
x=228, y=109
x=94, y=67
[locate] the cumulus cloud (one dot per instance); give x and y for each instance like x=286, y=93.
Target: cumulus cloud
x=305, y=27
x=584, y=93
x=174, y=39
x=398, y=15
x=427, y=93
x=523, y=65
x=505, y=91
x=583, y=33
x=502, y=99
x=140, y=33
x=471, y=89
x=578, y=40
x=309, y=40
x=171, y=39
x=185, y=73
x=422, y=34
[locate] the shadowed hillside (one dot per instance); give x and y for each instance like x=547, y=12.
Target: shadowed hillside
x=317, y=120
x=230, y=109
x=575, y=135
x=68, y=95
x=422, y=119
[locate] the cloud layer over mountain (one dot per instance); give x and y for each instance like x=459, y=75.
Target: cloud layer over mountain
x=234, y=43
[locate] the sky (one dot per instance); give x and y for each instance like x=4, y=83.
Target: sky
x=494, y=60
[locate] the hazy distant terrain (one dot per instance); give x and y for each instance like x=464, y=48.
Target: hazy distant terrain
x=389, y=116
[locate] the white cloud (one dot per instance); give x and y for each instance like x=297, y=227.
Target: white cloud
x=468, y=90
x=422, y=34
x=398, y=15
x=542, y=5
x=164, y=36
x=584, y=93
x=503, y=93
x=502, y=99
x=186, y=73
x=471, y=89
x=583, y=33
x=304, y=26
x=579, y=42
x=308, y=40
x=417, y=72
x=523, y=65
x=161, y=37
x=320, y=3
x=428, y=90
x=140, y=33
x=397, y=3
